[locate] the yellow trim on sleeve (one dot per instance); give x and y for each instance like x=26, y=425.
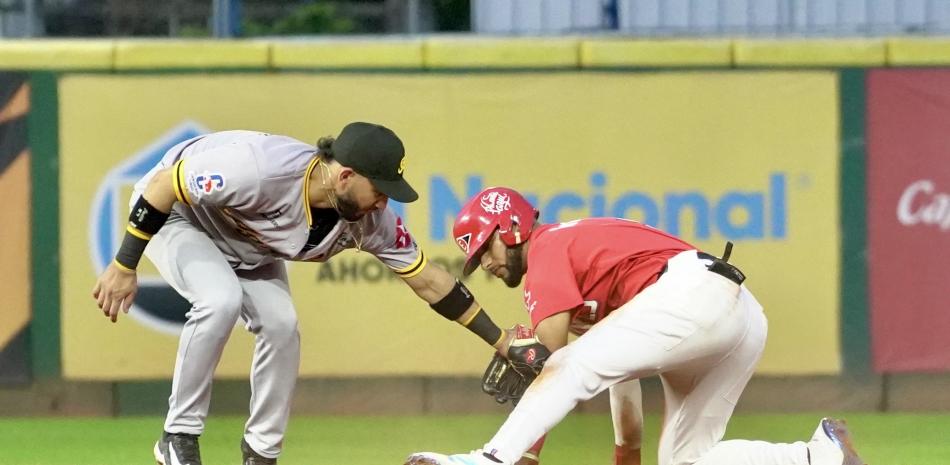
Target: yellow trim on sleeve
x=122, y=266
x=415, y=268
x=178, y=185
x=475, y=314
x=138, y=233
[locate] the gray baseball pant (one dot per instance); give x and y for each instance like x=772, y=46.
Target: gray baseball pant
x=191, y=263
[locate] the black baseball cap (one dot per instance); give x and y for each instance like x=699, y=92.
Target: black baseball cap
x=377, y=153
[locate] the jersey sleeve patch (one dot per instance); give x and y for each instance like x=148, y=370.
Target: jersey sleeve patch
x=403, y=238
x=206, y=182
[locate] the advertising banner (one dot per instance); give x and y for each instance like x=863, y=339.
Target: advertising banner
x=15, y=227
x=749, y=157
x=909, y=218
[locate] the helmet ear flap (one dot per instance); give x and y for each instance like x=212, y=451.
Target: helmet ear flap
x=506, y=229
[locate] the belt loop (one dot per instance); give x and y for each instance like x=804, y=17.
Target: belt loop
x=727, y=252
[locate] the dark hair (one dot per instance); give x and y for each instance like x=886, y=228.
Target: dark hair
x=325, y=147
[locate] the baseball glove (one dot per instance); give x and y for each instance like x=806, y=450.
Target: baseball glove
x=507, y=378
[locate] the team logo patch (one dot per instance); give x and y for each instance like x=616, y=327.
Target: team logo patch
x=464, y=242
x=403, y=238
x=495, y=202
x=207, y=183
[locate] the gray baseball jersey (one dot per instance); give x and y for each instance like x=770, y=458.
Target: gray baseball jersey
x=248, y=191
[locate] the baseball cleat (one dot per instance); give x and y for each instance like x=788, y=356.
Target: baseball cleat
x=476, y=457
x=831, y=444
x=253, y=458
x=177, y=449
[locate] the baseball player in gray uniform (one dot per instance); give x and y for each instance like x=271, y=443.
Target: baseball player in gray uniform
x=220, y=214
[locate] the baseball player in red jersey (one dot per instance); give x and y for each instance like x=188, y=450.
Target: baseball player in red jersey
x=647, y=303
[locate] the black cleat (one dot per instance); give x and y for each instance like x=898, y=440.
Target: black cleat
x=253, y=458
x=177, y=449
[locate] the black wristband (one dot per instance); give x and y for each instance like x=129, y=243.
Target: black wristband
x=131, y=251
x=482, y=325
x=146, y=219
x=455, y=303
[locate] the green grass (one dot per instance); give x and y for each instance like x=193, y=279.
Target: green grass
x=882, y=439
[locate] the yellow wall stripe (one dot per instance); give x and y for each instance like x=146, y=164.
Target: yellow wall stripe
x=347, y=54
x=912, y=51
x=626, y=52
x=146, y=54
x=439, y=52
x=809, y=52
x=57, y=54
x=502, y=53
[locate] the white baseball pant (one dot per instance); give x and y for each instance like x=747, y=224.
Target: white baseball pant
x=701, y=333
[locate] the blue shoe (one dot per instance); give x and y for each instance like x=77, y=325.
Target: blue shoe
x=476, y=457
x=831, y=444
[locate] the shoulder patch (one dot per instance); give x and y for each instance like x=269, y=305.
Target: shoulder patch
x=403, y=238
x=205, y=183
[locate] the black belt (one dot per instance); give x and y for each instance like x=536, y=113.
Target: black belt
x=720, y=266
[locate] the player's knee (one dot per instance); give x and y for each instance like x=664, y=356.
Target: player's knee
x=560, y=358
x=281, y=330
x=571, y=368
x=222, y=304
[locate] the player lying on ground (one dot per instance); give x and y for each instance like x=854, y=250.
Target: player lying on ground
x=220, y=214
x=651, y=304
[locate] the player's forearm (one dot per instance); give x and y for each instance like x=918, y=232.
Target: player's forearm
x=451, y=299
x=148, y=216
x=552, y=331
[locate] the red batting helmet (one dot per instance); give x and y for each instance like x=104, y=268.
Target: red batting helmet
x=493, y=208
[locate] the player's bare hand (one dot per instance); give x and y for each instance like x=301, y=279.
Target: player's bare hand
x=115, y=290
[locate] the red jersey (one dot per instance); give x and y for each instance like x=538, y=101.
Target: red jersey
x=593, y=266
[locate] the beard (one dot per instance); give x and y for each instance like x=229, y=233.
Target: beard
x=515, y=266
x=348, y=209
